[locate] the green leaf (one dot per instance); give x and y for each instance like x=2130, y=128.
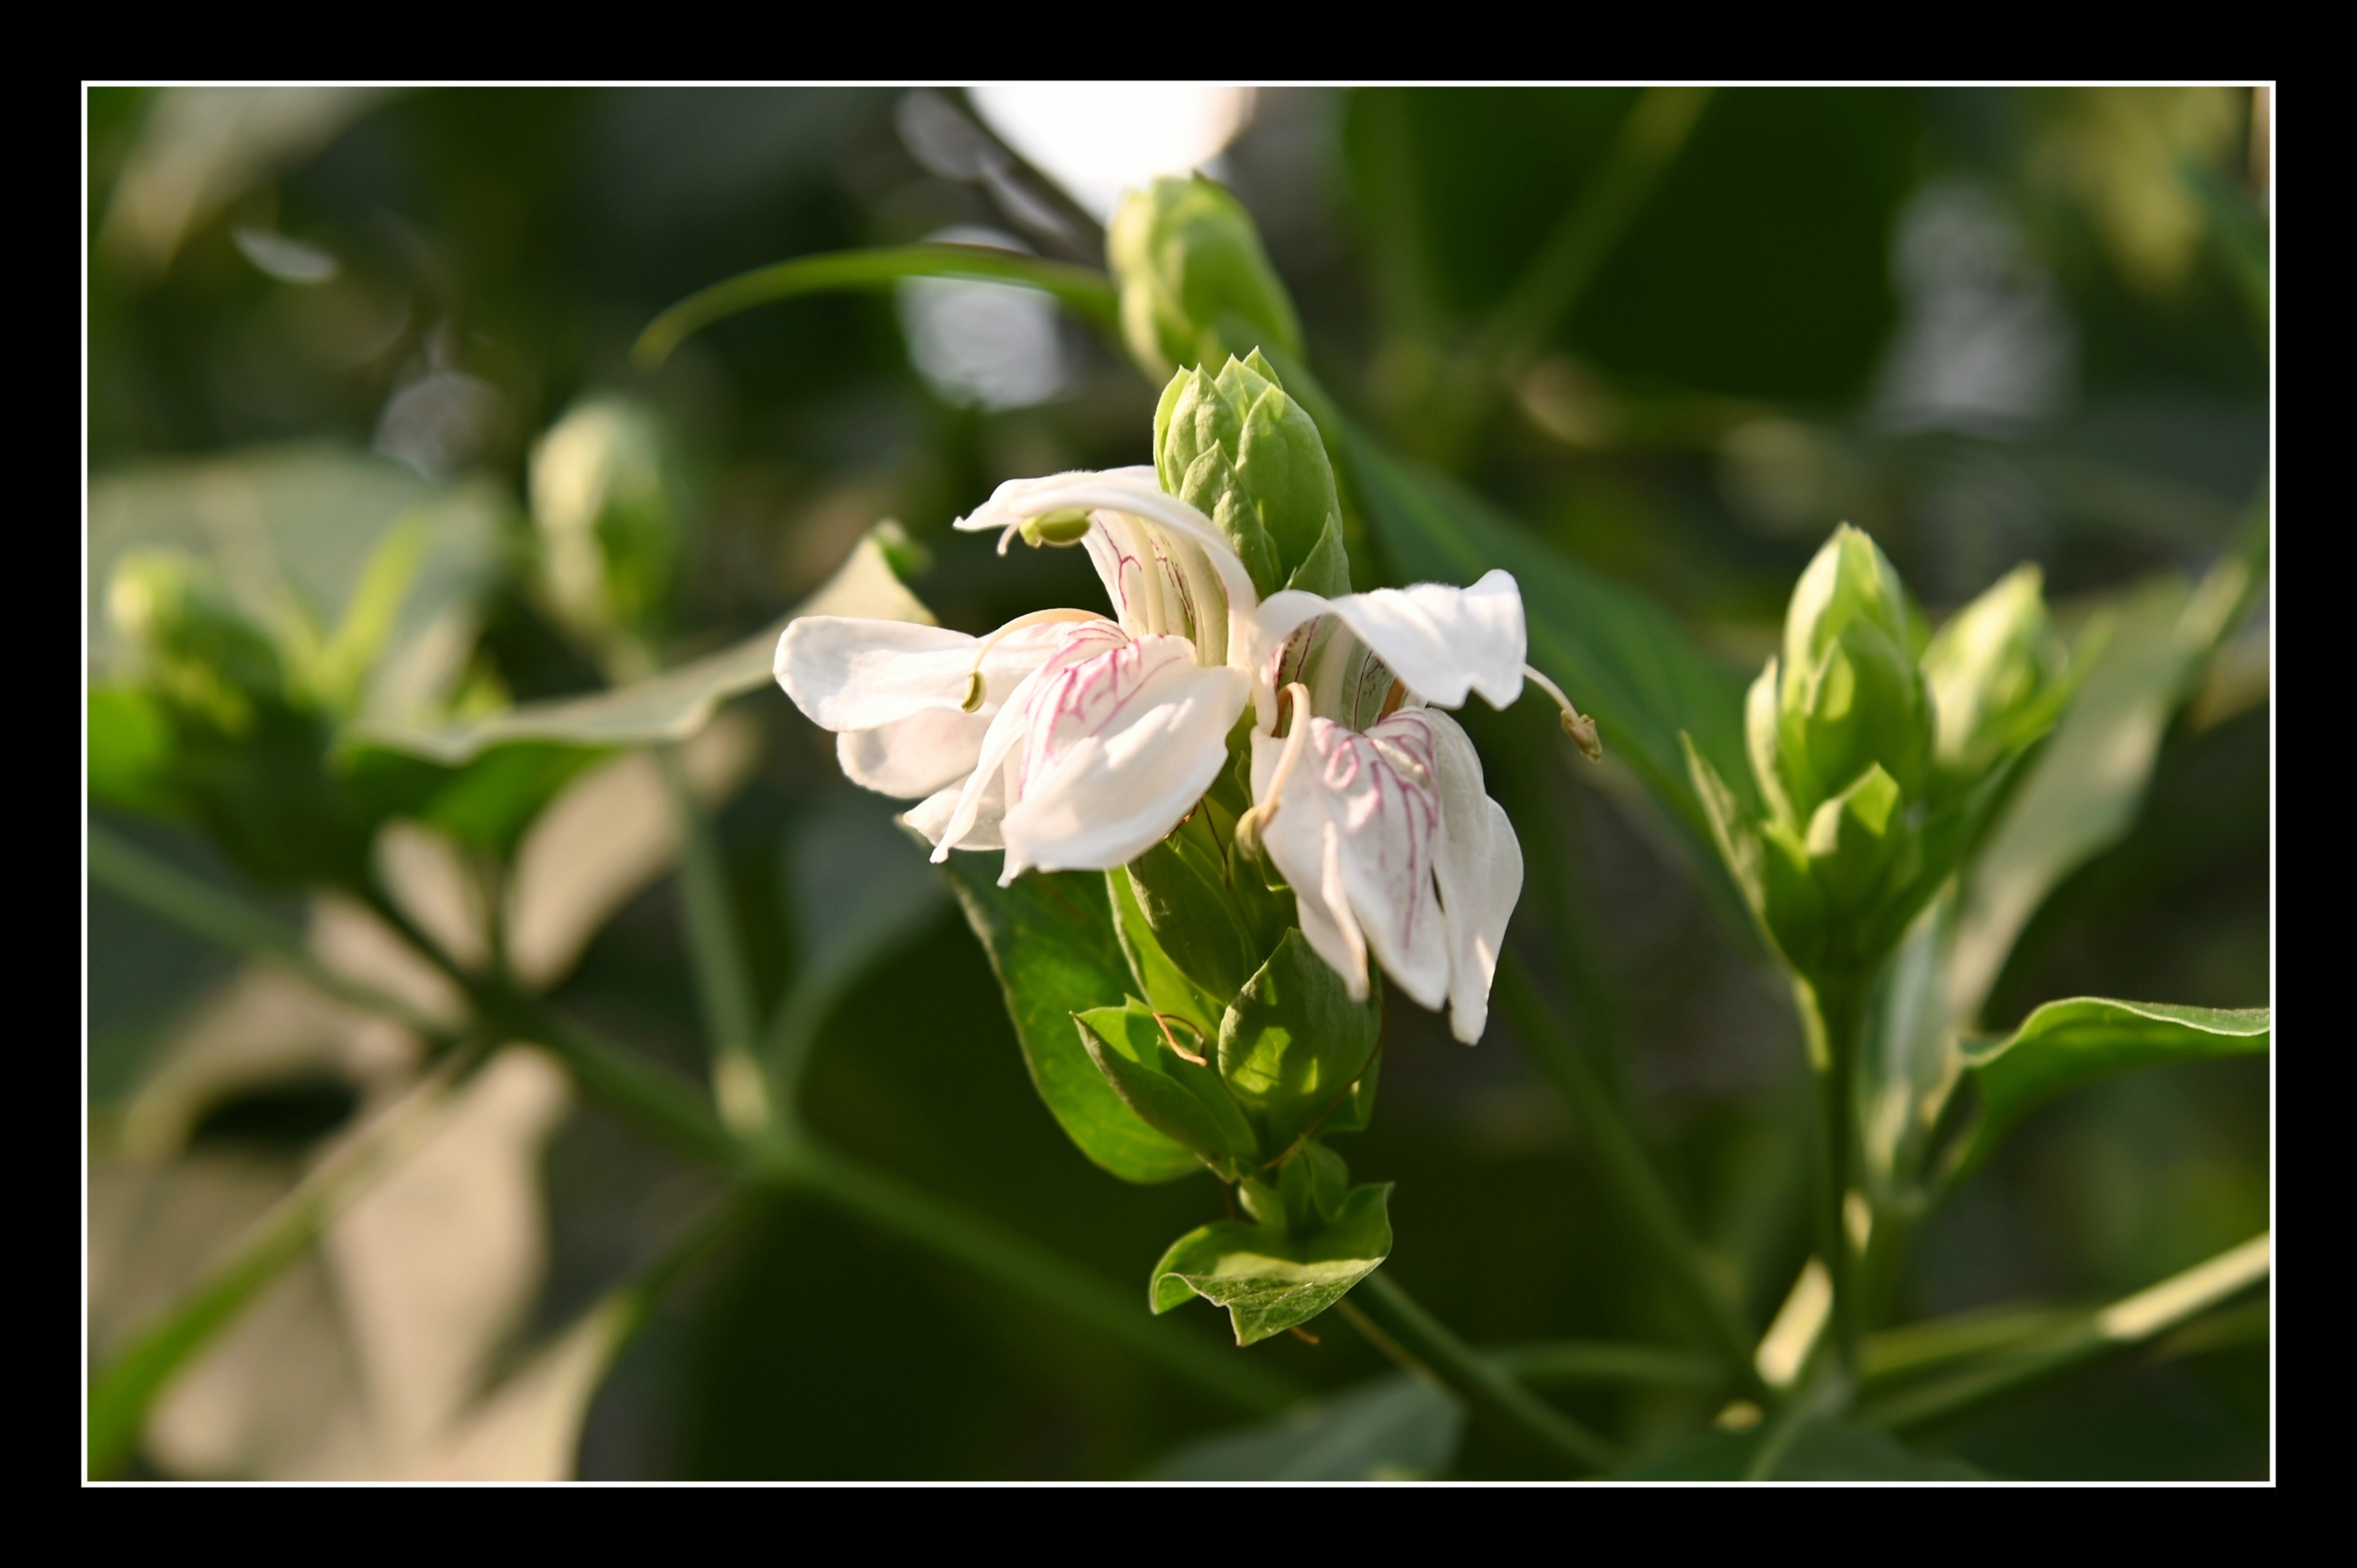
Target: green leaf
x=671, y=706
x=1270, y=1282
x=1293, y=1043
x=1050, y=941
x=130, y=751
x=2064, y=1045
x=1393, y=1429
x=1820, y=1451
x=1087, y=293
x=1166, y=988
x=1184, y=1099
x=1618, y=655
x=364, y=573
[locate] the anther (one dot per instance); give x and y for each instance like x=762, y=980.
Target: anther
x=1056, y=529
x=977, y=689
x=1576, y=725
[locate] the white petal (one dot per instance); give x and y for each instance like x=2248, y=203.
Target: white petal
x=1442, y=642
x=846, y=674
x=930, y=750
x=1120, y=748
x=1197, y=552
x=1306, y=847
x=853, y=674
x=1378, y=794
x=931, y=815
x=1479, y=864
x=1071, y=642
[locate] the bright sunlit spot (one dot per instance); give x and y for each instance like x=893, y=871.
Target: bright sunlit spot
x=1097, y=139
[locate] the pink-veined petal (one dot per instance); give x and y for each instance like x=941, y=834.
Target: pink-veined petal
x=1378, y=793
x=1442, y=642
x=1478, y=866
x=1072, y=643
x=1307, y=845
x=1121, y=748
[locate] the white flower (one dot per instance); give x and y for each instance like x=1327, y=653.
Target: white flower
x=1077, y=743
x=1072, y=742
x=1373, y=804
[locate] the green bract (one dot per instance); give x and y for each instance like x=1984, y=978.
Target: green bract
x=1193, y=276
x=1994, y=672
x=1240, y=451
x=606, y=497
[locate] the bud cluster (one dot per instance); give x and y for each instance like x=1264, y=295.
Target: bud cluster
x=1196, y=286
x=1240, y=450
x=1877, y=749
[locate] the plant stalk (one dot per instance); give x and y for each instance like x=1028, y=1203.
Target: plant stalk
x=1629, y=1176
x=1831, y=1015
x=716, y=951
x=1403, y=1330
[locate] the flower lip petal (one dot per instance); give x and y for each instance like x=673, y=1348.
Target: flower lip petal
x=1478, y=863
x=1110, y=794
x=1443, y=643
x=847, y=673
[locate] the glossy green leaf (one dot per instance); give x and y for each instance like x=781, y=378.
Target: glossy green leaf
x=673, y=705
x=1293, y=1043
x=1618, y=655
x=1050, y=941
x=1270, y=1282
x=1085, y=291
x=1166, y=986
x=1181, y=1099
x=1394, y=1429
x=2064, y=1045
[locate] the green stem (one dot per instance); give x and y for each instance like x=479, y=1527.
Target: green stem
x=1573, y=1363
x=724, y=979
x=173, y=895
x=1832, y=1014
x=135, y=1374
x=1552, y=284
x=1628, y=1176
x=2081, y=1340
x=1087, y=292
x=1400, y=1328
x=1033, y=1271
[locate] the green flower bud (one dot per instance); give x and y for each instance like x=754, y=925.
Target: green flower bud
x=1194, y=278
x=1239, y=449
x=1995, y=676
x=606, y=496
x=192, y=644
x=1849, y=695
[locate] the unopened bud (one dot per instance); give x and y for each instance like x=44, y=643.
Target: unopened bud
x=1990, y=671
x=1848, y=694
x=1193, y=276
x=1239, y=449
x=606, y=497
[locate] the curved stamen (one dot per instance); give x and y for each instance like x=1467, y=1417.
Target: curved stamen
x=1576, y=725
x=1256, y=817
x=977, y=689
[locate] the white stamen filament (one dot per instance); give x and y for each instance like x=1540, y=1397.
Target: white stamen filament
x=1576, y=725
x=977, y=689
x=1255, y=818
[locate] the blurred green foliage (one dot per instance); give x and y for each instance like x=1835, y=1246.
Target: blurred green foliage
x=1782, y=335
